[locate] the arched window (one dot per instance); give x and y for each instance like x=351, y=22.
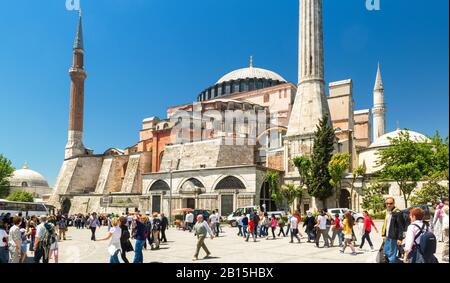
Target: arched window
x=230, y=183
x=159, y=185
x=161, y=155
x=24, y=184
x=192, y=185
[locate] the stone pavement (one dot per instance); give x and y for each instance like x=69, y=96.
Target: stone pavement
x=228, y=248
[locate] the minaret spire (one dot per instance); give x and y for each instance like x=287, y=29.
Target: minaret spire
x=77, y=74
x=379, y=108
x=79, y=35
x=251, y=61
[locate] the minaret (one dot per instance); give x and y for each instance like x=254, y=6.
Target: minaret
x=379, y=108
x=77, y=74
x=310, y=102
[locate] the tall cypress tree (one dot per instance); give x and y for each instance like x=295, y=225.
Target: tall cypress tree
x=323, y=148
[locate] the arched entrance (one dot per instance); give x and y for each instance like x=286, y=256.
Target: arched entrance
x=344, y=199
x=228, y=188
x=157, y=190
x=190, y=191
x=65, y=206
x=265, y=198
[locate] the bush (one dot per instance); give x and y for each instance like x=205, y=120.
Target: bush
x=378, y=215
x=21, y=196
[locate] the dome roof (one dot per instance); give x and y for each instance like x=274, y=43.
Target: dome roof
x=26, y=177
x=385, y=140
x=250, y=73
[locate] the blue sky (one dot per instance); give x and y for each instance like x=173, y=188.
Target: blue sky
x=145, y=55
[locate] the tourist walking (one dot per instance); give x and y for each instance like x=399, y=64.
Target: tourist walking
x=216, y=223
x=273, y=225
x=281, y=224
x=245, y=222
x=93, y=222
x=202, y=230
x=156, y=229
x=337, y=230
x=15, y=240
x=367, y=228
x=140, y=238
x=4, y=253
x=347, y=226
x=392, y=231
x=189, y=221
x=62, y=227
x=414, y=251
x=310, y=223
x=32, y=231
x=125, y=244
x=164, y=227
x=54, y=249
x=437, y=223
x=321, y=228
x=445, y=226
x=251, y=230
x=23, y=254
x=239, y=224
x=256, y=219
x=294, y=229
x=114, y=246
x=45, y=237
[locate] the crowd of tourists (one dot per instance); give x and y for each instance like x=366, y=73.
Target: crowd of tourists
x=406, y=238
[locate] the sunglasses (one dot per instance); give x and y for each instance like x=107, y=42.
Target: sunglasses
x=389, y=203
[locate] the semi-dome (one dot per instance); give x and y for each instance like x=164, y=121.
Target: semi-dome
x=251, y=73
x=242, y=80
x=26, y=177
x=385, y=140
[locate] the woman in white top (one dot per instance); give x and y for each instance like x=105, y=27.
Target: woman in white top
x=412, y=238
x=114, y=246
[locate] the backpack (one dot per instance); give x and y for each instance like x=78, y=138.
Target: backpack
x=156, y=225
x=50, y=236
x=425, y=250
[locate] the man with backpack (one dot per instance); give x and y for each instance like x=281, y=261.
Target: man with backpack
x=45, y=237
x=420, y=243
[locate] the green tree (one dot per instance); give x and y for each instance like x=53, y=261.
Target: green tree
x=359, y=171
x=303, y=164
x=406, y=162
x=430, y=192
x=273, y=179
x=6, y=171
x=373, y=196
x=323, y=148
x=291, y=192
x=21, y=196
x=337, y=166
x=439, y=157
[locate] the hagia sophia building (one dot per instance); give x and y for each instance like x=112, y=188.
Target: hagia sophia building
x=166, y=170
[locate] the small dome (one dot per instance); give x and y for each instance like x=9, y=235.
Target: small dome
x=250, y=73
x=385, y=140
x=26, y=177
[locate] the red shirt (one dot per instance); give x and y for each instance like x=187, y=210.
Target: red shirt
x=251, y=226
x=337, y=223
x=298, y=218
x=368, y=224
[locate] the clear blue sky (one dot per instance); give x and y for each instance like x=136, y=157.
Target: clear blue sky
x=145, y=55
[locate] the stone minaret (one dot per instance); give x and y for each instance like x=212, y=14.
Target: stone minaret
x=379, y=108
x=74, y=145
x=310, y=102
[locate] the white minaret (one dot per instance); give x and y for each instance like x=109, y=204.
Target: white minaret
x=379, y=108
x=310, y=102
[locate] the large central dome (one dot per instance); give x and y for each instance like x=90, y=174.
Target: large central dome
x=251, y=73
x=241, y=80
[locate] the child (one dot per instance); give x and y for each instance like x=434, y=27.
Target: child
x=251, y=230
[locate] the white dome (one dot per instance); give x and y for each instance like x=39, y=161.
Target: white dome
x=250, y=73
x=385, y=140
x=27, y=178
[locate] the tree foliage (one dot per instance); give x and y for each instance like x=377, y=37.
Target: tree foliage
x=21, y=196
x=323, y=148
x=373, y=196
x=407, y=162
x=430, y=192
x=337, y=166
x=6, y=171
x=303, y=164
x=359, y=171
x=273, y=179
x=291, y=192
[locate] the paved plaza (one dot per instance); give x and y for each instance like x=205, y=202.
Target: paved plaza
x=228, y=248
